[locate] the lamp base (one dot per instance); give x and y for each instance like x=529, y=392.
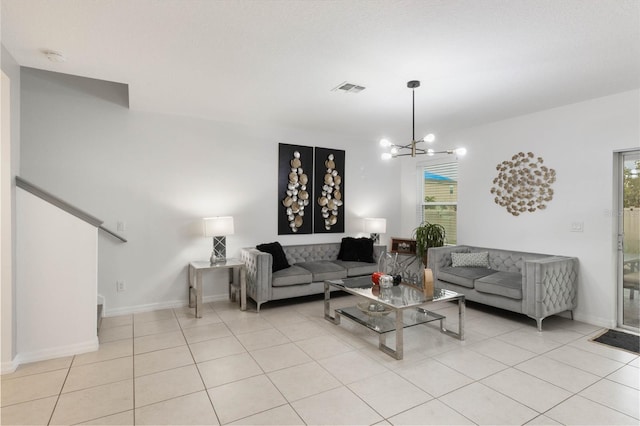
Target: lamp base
x=215, y=260
x=219, y=254
x=375, y=238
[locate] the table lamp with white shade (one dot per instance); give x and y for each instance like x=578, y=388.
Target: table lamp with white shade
x=218, y=227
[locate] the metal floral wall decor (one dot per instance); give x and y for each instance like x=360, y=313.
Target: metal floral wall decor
x=295, y=189
x=523, y=184
x=329, y=189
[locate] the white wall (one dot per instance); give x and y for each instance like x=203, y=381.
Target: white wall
x=578, y=141
x=10, y=160
x=6, y=227
x=57, y=279
x=161, y=174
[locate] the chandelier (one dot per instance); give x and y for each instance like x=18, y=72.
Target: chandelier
x=412, y=148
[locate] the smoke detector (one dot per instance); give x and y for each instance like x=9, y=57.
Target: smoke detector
x=54, y=56
x=348, y=88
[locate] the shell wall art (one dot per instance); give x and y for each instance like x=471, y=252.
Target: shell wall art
x=328, y=214
x=295, y=189
x=523, y=184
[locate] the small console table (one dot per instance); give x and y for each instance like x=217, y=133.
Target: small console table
x=195, y=282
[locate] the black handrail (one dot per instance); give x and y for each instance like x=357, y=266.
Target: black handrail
x=60, y=203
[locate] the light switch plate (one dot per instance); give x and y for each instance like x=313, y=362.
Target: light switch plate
x=577, y=226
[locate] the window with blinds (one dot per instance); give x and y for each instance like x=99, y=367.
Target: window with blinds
x=440, y=197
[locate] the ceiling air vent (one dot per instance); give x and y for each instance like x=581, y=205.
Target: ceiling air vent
x=349, y=88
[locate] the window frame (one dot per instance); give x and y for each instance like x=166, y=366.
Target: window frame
x=420, y=193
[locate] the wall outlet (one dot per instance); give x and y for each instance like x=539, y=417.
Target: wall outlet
x=577, y=227
x=120, y=286
x=121, y=226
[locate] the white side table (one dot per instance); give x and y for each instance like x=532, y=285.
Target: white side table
x=195, y=282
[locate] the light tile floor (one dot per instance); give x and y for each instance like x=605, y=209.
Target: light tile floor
x=287, y=365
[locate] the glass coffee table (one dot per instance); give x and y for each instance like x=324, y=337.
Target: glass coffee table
x=384, y=310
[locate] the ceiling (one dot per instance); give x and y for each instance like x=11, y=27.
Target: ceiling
x=276, y=62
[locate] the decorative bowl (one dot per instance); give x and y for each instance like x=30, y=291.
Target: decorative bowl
x=379, y=311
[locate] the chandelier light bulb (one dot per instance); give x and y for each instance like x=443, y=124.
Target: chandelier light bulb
x=429, y=138
x=461, y=151
x=385, y=143
x=394, y=150
x=430, y=152
x=386, y=156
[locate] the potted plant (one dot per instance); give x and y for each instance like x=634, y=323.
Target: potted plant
x=428, y=235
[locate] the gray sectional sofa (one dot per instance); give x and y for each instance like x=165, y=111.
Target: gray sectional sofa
x=311, y=264
x=537, y=285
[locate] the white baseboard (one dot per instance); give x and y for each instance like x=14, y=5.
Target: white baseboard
x=51, y=353
x=215, y=298
x=597, y=321
x=126, y=310
x=9, y=366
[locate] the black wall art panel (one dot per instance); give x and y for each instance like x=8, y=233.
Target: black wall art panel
x=295, y=189
x=328, y=207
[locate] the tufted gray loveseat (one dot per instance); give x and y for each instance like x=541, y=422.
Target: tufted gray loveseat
x=537, y=285
x=311, y=264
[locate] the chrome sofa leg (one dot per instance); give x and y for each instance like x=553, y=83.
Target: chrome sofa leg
x=571, y=313
x=539, y=321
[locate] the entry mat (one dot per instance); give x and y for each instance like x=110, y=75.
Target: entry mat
x=619, y=339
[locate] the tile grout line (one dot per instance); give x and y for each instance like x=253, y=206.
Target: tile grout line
x=433, y=398
x=266, y=374
x=569, y=344
x=133, y=368
x=287, y=402
x=572, y=394
x=599, y=403
x=61, y=388
x=479, y=381
x=204, y=385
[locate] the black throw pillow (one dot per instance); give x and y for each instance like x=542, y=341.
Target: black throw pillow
x=365, y=250
x=276, y=251
x=356, y=250
x=348, y=250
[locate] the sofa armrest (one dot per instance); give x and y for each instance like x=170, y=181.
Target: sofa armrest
x=378, y=250
x=259, y=266
x=550, y=286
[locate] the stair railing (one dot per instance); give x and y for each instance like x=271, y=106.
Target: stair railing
x=69, y=208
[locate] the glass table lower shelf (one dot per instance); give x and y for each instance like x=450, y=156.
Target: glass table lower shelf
x=387, y=323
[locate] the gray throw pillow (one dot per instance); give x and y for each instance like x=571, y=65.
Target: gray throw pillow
x=475, y=260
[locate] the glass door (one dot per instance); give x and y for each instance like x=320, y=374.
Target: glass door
x=629, y=241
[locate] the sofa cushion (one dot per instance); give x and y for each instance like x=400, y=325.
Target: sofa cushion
x=475, y=260
x=292, y=275
x=356, y=250
x=355, y=269
x=276, y=251
x=463, y=276
x=507, y=284
x=324, y=270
